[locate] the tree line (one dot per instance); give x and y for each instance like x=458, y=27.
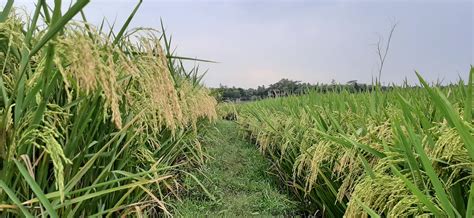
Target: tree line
x=284, y=87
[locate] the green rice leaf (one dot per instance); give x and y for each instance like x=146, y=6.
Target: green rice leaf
x=15, y=199
x=127, y=22
x=445, y=106
x=6, y=11
x=470, y=204
x=36, y=189
x=367, y=209
x=429, y=170
x=59, y=25
x=469, y=93
x=418, y=193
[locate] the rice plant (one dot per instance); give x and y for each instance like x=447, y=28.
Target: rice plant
x=92, y=123
x=407, y=151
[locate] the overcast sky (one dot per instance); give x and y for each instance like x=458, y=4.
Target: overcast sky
x=259, y=42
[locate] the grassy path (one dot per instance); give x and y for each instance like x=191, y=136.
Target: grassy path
x=236, y=175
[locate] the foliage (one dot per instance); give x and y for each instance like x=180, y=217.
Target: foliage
x=92, y=122
x=407, y=151
x=286, y=87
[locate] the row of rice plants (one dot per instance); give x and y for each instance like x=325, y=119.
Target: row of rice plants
x=92, y=122
x=408, y=151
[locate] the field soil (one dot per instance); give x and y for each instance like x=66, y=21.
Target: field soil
x=234, y=181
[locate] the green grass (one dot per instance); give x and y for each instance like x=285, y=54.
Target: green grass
x=236, y=174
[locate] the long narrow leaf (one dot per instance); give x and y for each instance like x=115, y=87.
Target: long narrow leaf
x=15, y=199
x=57, y=26
x=127, y=22
x=36, y=189
x=6, y=11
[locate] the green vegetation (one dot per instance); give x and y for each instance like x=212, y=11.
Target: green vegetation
x=408, y=151
x=92, y=122
x=97, y=123
x=236, y=177
x=285, y=87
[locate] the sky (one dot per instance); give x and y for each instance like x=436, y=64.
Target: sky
x=259, y=42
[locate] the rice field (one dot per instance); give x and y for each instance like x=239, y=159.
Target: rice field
x=399, y=153
x=93, y=122
x=104, y=124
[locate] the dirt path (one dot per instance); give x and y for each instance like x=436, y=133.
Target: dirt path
x=236, y=176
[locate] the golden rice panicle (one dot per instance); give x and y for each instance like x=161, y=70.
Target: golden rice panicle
x=455, y=163
x=90, y=68
x=349, y=168
x=449, y=146
x=64, y=117
x=386, y=194
x=312, y=160
x=84, y=63
x=159, y=94
x=196, y=103
x=11, y=38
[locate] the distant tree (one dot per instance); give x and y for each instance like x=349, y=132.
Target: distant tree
x=285, y=87
x=353, y=86
x=261, y=92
